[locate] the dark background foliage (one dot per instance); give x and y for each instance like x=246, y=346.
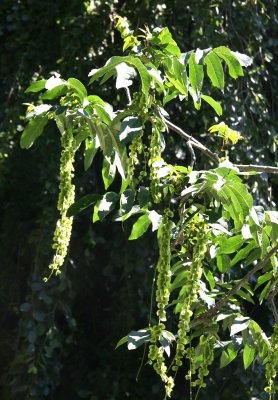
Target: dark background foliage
x=58, y=339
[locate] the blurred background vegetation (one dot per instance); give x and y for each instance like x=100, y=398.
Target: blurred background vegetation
x=58, y=339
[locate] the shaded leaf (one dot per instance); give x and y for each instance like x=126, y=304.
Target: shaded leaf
x=105, y=206
x=239, y=324
x=130, y=128
x=32, y=131
x=228, y=355
x=82, y=203
x=137, y=338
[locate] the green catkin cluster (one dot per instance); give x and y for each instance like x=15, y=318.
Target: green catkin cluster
x=154, y=156
x=272, y=365
x=197, y=366
x=164, y=267
x=135, y=149
x=156, y=356
x=191, y=290
x=63, y=229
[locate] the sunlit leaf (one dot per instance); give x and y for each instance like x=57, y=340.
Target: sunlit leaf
x=140, y=227
x=215, y=70
x=248, y=355
x=214, y=104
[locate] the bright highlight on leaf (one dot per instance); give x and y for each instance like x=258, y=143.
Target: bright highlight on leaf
x=226, y=133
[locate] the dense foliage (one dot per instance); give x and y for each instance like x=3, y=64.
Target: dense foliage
x=191, y=210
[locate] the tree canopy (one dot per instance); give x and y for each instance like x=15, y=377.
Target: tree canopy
x=167, y=160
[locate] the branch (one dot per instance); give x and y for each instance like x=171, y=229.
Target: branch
x=213, y=156
x=214, y=310
x=270, y=297
x=257, y=168
x=194, y=142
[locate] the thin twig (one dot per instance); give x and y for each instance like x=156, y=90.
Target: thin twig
x=194, y=142
x=191, y=141
x=192, y=154
x=257, y=168
x=128, y=96
x=214, y=310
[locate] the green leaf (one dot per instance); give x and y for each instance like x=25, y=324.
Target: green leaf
x=140, y=227
x=215, y=70
x=92, y=99
x=214, y=104
x=239, y=324
x=155, y=219
x=114, y=61
x=124, y=75
x=230, y=245
x=228, y=355
x=121, y=342
x=243, y=253
x=264, y=278
x=243, y=59
x=91, y=147
x=223, y=263
x=126, y=201
x=32, y=131
x=108, y=171
x=82, y=203
x=196, y=75
x=81, y=136
x=105, y=206
x=179, y=280
x=137, y=338
x=78, y=87
x=130, y=128
x=235, y=69
x=102, y=114
x=264, y=292
x=210, y=278
x=38, y=110
x=143, y=196
x=57, y=91
x=54, y=82
x=271, y=218
x=248, y=355
x=36, y=86
x=177, y=84
x=109, y=142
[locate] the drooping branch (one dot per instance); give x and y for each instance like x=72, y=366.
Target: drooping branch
x=208, y=315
